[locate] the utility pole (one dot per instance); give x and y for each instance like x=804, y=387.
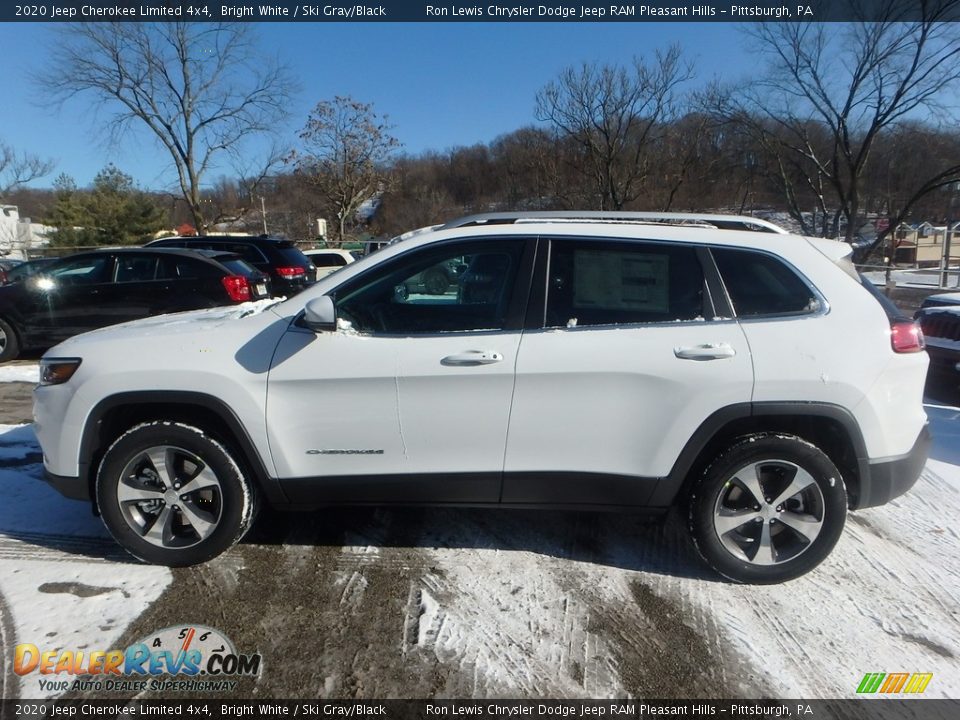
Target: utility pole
x=263, y=214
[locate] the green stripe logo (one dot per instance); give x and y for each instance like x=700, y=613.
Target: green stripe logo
x=894, y=683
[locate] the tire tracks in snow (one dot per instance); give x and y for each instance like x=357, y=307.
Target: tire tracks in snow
x=9, y=684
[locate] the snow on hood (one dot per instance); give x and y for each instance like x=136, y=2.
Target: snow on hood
x=189, y=321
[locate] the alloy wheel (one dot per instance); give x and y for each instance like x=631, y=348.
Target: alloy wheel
x=170, y=497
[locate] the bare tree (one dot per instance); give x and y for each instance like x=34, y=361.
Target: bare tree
x=832, y=89
x=202, y=89
x=614, y=114
x=17, y=169
x=346, y=147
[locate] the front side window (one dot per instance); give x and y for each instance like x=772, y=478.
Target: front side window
x=89, y=270
x=610, y=283
x=460, y=287
x=759, y=284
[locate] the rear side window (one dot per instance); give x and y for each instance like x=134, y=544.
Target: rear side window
x=291, y=255
x=239, y=267
x=609, y=283
x=327, y=260
x=181, y=268
x=760, y=284
x=141, y=268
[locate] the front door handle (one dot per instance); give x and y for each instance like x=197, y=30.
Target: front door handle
x=707, y=351
x=472, y=357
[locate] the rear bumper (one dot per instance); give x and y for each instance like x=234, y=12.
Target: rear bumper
x=67, y=486
x=883, y=480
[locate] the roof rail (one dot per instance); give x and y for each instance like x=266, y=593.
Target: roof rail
x=720, y=222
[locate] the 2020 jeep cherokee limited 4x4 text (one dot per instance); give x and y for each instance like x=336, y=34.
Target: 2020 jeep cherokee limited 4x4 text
x=627, y=361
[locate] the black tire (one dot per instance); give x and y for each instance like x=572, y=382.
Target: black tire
x=722, y=499
x=9, y=342
x=228, y=508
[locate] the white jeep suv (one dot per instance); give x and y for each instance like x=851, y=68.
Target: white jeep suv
x=623, y=361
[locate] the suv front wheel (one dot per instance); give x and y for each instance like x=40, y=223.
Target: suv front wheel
x=171, y=495
x=768, y=509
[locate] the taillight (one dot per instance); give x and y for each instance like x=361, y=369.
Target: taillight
x=906, y=336
x=291, y=273
x=237, y=287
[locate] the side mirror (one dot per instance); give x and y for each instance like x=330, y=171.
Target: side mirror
x=320, y=314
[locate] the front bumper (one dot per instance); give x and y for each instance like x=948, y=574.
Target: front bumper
x=883, y=480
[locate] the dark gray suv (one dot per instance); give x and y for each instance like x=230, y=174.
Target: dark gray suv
x=289, y=269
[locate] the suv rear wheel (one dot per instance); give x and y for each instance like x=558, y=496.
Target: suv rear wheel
x=170, y=495
x=770, y=508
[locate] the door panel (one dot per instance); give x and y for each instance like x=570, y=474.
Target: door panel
x=606, y=398
x=347, y=405
x=68, y=298
x=411, y=397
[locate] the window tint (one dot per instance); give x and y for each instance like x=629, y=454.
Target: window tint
x=607, y=283
x=83, y=271
x=135, y=268
x=182, y=268
x=290, y=254
x=248, y=252
x=239, y=267
x=462, y=287
x=760, y=284
x=327, y=260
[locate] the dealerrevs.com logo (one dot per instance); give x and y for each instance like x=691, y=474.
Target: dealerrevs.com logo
x=189, y=658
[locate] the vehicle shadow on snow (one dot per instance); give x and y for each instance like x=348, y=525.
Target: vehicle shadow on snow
x=620, y=540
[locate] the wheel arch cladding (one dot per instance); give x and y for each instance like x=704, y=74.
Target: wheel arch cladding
x=114, y=415
x=830, y=427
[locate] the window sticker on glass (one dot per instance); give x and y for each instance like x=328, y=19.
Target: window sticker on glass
x=621, y=281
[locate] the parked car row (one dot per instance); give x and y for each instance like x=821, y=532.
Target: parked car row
x=939, y=318
x=45, y=301
x=64, y=297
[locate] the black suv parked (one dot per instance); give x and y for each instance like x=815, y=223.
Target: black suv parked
x=287, y=266
x=939, y=318
x=90, y=290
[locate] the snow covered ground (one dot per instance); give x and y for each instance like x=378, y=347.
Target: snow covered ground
x=471, y=603
x=63, y=582
x=28, y=373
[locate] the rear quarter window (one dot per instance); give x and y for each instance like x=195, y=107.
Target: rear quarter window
x=291, y=255
x=240, y=267
x=182, y=268
x=762, y=285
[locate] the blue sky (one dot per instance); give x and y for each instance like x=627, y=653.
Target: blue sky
x=442, y=84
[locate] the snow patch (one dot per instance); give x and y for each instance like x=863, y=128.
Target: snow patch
x=20, y=373
x=64, y=583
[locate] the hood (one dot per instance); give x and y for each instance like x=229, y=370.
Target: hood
x=192, y=322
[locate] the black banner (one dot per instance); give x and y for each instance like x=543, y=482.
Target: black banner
x=467, y=11
x=873, y=709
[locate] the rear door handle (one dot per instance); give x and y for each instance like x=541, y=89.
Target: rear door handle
x=472, y=357
x=707, y=351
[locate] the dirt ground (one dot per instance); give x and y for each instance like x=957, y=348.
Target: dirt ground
x=423, y=603
x=16, y=403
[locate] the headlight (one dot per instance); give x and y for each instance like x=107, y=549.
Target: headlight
x=56, y=371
